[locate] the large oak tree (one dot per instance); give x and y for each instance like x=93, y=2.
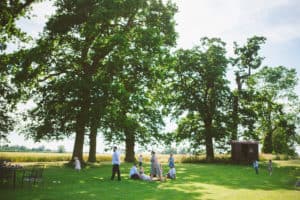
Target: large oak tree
x=84, y=49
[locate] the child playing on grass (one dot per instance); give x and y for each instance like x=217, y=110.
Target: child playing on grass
x=77, y=164
x=171, y=161
x=140, y=160
x=255, y=166
x=270, y=167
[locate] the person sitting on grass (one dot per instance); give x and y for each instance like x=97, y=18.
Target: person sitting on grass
x=134, y=174
x=143, y=176
x=172, y=173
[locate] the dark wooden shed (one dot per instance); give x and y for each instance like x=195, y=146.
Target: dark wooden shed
x=244, y=151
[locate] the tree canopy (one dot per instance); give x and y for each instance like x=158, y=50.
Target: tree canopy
x=111, y=67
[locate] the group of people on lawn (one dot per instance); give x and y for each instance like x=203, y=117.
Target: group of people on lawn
x=156, y=172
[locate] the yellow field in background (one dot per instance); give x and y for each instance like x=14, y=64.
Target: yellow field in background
x=163, y=158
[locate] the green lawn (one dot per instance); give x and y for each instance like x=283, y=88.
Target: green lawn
x=194, y=181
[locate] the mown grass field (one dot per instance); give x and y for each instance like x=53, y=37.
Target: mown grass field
x=194, y=181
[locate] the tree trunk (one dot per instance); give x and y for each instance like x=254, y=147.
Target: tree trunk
x=93, y=142
x=79, y=140
x=235, y=117
x=209, y=142
x=268, y=146
x=129, y=142
x=81, y=122
x=235, y=110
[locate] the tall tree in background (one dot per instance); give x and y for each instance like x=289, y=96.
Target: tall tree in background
x=276, y=106
x=198, y=87
x=247, y=59
x=83, y=43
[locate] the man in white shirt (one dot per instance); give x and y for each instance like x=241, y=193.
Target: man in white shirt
x=116, y=164
x=134, y=174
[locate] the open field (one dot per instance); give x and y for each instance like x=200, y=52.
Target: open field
x=54, y=157
x=194, y=181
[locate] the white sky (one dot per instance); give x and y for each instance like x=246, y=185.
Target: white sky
x=231, y=20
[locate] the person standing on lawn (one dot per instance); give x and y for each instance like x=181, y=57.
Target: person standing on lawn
x=140, y=160
x=171, y=161
x=270, y=167
x=255, y=166
x=77, y=164
x=115, y=164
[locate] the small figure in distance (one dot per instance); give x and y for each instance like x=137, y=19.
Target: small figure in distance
x=77, y=164
x=134, y=174
x=270, y=167
x=140, y=160
x=171, y=161
x=255, y=166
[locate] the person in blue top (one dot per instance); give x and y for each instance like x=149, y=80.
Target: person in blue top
x=171, y=161
x=115, y=164
x=255, y=166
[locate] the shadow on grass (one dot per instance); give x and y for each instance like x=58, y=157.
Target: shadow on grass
x=193, y=181
x=95, y=183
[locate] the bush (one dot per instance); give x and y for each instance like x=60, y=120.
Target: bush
x=221, y=158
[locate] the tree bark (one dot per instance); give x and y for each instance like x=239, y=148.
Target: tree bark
x=129, y=144
x=268, y=144
x=235, y=110
x=79, y=139
x=209, y=142
x=93, y=142
x=81, y=122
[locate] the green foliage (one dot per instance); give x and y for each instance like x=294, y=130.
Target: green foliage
x=246, y=59
x=197, y=86
x=276, y=106
x=248, y=55
x=95, y=66
x=10, y=12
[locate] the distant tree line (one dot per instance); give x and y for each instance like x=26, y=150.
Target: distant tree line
x=21, y=148
x=17, y=148
x=110, y=67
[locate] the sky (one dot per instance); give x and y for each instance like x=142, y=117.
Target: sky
x=230, y=20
